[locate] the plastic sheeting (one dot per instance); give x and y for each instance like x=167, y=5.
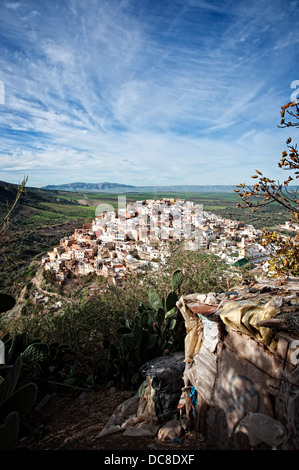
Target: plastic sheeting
x=156, y=399
x=210, y=333
x=202, y=373
x=136, y=416
x=262, y=428
x=194, y=329
x=166, y=373
x=244, y=316
x=200, y=344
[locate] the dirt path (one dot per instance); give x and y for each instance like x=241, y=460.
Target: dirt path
x=37, y=281
x=73, y=423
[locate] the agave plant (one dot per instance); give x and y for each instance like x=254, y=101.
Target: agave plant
x=15, y=403
x=25, y=361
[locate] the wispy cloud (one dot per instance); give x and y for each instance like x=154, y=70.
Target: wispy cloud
x=12, y=5
x=142, y=92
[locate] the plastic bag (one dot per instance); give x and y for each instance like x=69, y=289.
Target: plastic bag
x=263, y=428
x=166, y=373
x=135, y=416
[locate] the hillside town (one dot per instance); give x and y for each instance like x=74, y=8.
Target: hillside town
x=138, y=235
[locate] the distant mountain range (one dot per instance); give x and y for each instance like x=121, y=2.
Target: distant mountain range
x=124, y=188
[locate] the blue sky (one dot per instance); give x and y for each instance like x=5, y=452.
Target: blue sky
x=145, y=92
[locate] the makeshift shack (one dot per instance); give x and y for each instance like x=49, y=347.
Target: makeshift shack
x=241, y=355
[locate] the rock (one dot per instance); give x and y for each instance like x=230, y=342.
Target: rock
x=171, y=430
x=69, y=441
x=211, y=299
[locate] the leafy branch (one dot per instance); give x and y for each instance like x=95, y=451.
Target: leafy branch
x=284, y=251
x=5, y=221
x=266, y=191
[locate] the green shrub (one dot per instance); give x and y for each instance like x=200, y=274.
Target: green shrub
x=149, y=333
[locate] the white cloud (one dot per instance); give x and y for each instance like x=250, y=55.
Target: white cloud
x=12, y=5
x=58, y=53
x=158, y=92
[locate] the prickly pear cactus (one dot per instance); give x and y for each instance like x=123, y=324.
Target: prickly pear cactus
x=8, y=385
x=21, y=401
x=177, y=279
x=9, y=430
x=15, y=403
x=154, y=299
x=143, y=336
x=36, y=352
x=17, y=345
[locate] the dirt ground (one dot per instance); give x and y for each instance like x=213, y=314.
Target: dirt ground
x=73, y=423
